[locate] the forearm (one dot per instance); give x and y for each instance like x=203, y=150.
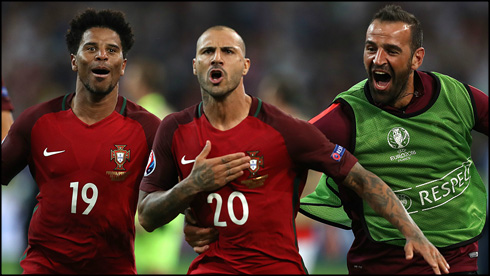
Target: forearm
x=382, y=199
x=159, y=208
x=7, y=121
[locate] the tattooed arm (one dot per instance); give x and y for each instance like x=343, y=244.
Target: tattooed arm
x=384, y=201
x=159, y=208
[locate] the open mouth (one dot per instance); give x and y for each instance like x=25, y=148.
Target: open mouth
x=381, y=79
x=215, y=76
x=100, y=72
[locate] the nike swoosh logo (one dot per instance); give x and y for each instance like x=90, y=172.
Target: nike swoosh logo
x=185, y=162
x=46, y=153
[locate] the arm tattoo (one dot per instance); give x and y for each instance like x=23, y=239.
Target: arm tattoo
x=382, y=199
x=162, y=207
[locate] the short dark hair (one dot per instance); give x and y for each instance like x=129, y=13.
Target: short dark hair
x=394, y=13
x=90, y=18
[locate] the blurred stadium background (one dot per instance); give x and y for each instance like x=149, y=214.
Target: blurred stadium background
x=310, y=50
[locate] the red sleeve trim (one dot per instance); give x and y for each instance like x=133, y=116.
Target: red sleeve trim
x=323, y=113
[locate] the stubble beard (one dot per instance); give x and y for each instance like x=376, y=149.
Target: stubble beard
x=398, y=86
x=99, y=93
x=215, y=91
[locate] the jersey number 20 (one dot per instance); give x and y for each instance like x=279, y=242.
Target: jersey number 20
x=219, y=203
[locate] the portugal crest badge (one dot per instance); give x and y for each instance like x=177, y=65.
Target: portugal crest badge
x=256, y=162
x=120, y=155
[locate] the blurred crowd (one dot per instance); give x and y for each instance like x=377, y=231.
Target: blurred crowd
x=307, y=52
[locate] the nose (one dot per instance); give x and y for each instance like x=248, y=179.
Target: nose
x=380, y=57
x=101, y=55
x=217, y=58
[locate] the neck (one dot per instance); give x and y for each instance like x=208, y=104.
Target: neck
x=91, y=108
x=227, y=113
x=404, y=100
x=406, y=96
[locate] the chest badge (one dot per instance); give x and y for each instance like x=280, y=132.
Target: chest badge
x=120, y=155
x=256, y=162
x=254, y=179
x=398, y=138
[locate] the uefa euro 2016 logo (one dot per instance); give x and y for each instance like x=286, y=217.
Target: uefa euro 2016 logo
x=398, y=138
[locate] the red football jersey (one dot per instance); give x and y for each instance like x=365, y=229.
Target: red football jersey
x=255, y=213
x=88, y=178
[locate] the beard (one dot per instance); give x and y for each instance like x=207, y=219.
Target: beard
x=218, y=91
x=98, y=92
x=398, y=87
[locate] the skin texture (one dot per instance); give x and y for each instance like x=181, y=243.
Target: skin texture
x=96, y=92
x=387, y=50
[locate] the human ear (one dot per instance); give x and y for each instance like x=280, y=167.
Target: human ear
x=74, y=65
x=246, y=67
x=418, y=58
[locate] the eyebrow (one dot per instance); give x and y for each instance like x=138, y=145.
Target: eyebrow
x=95, y=44
x=221, y=48
x=387, y=46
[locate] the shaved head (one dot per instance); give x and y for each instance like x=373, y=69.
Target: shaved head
x=241, y=43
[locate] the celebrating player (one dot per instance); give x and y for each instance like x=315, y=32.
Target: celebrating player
x=87, y=153
x=413, y=129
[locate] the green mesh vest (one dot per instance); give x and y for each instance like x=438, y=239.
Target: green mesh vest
x=426, y=160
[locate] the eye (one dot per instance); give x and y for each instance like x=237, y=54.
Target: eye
x=370, y=49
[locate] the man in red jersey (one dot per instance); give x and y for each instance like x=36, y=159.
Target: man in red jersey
x=412, y=129
x=87, y=153
x=241, y=165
